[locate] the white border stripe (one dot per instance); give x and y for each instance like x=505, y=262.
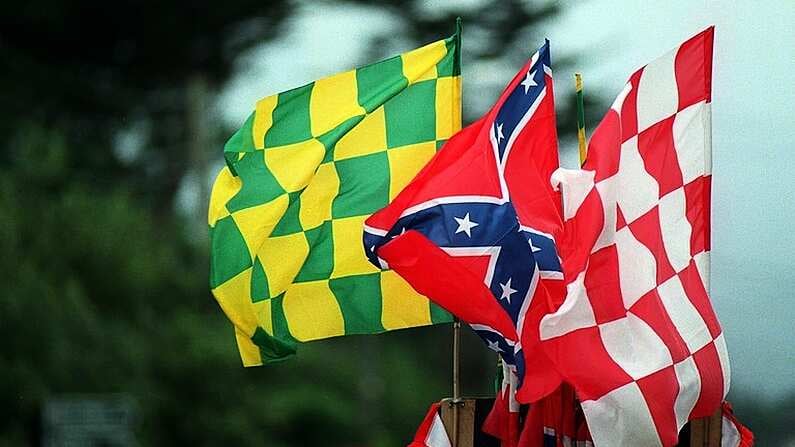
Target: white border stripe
x=375, y=231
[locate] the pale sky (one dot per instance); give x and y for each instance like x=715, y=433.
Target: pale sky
x=753, y=269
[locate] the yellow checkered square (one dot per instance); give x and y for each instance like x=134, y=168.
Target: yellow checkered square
x=234, y=298
x=405, y=162
x=225, y=187
x=349, y=258
x=263, y=119
x=448, y=107
x=312, y=311
x=257, y=222
x=333, y=100
x=294, y=165
x=367, y=137
x=282, y=258
x=401, y=305
x=318, y=196
x=420, y=64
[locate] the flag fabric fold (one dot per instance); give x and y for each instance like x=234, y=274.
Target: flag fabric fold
x=636, y=335
x=431, y=432
x=733, y=433
x=475, y=230
x=301, y=176
x=503, y=421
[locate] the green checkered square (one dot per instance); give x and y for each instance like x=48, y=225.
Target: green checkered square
x=273, y=348
x=281, y=328
x=227, y=244
x=411, y=115
x=380, y=81
x=242, y=140
x=291, y=118
x=359, y=297
x=439, y=315
x=320, y=262
x=449, y=65
x=259, y=283
x=290, y=222
x=364, y=185
x=260, y=186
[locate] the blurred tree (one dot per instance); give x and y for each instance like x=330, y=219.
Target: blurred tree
x=93, y=69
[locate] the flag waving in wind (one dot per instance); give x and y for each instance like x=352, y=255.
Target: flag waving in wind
x=636, y=335
x=302, y=174
x=475, y=230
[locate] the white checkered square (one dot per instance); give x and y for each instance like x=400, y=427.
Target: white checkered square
x=702, y=265
x=723, y=355
x=634, y=346
x=690, y=129
x=689, y=390
x=637, y=190
x=637, y=267
x=683, y=314
x=621, y=418
x=675, y=228
x=575, y=312
x=658, y=95
x=607, y=194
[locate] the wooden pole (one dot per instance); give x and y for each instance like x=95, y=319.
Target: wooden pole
x=456, y=377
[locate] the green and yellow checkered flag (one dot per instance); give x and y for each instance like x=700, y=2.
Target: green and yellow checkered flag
x=302, y=174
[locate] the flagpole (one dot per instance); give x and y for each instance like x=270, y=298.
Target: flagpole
x=456, y=376
x=580, y=117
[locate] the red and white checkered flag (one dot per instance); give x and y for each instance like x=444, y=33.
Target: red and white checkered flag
x=636, y=335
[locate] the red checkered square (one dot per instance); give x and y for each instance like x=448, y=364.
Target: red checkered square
x=650, y=308
x=693, y=286
x=656, y=147
x=603, y=284
x=592, y=370
x=688, y=321
x=647, y=230
x=697, y=197
x=693, y=68
x=605, y=164
x=629, y=109
x=711, y=374
x=575, y=256
x=660, y=391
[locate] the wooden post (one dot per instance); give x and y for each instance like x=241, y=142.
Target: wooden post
x=459, y=421
x=706, y=432
x=456, y=401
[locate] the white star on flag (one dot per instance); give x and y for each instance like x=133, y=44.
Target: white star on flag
x=529, y=81
x=500, y=136
x=533, y=248
x=494, y=346
x=465, y=225
x=507, y=291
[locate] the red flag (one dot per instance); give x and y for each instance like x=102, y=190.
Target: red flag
x=502, y=421
x=475, y=230
x=636, y=335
